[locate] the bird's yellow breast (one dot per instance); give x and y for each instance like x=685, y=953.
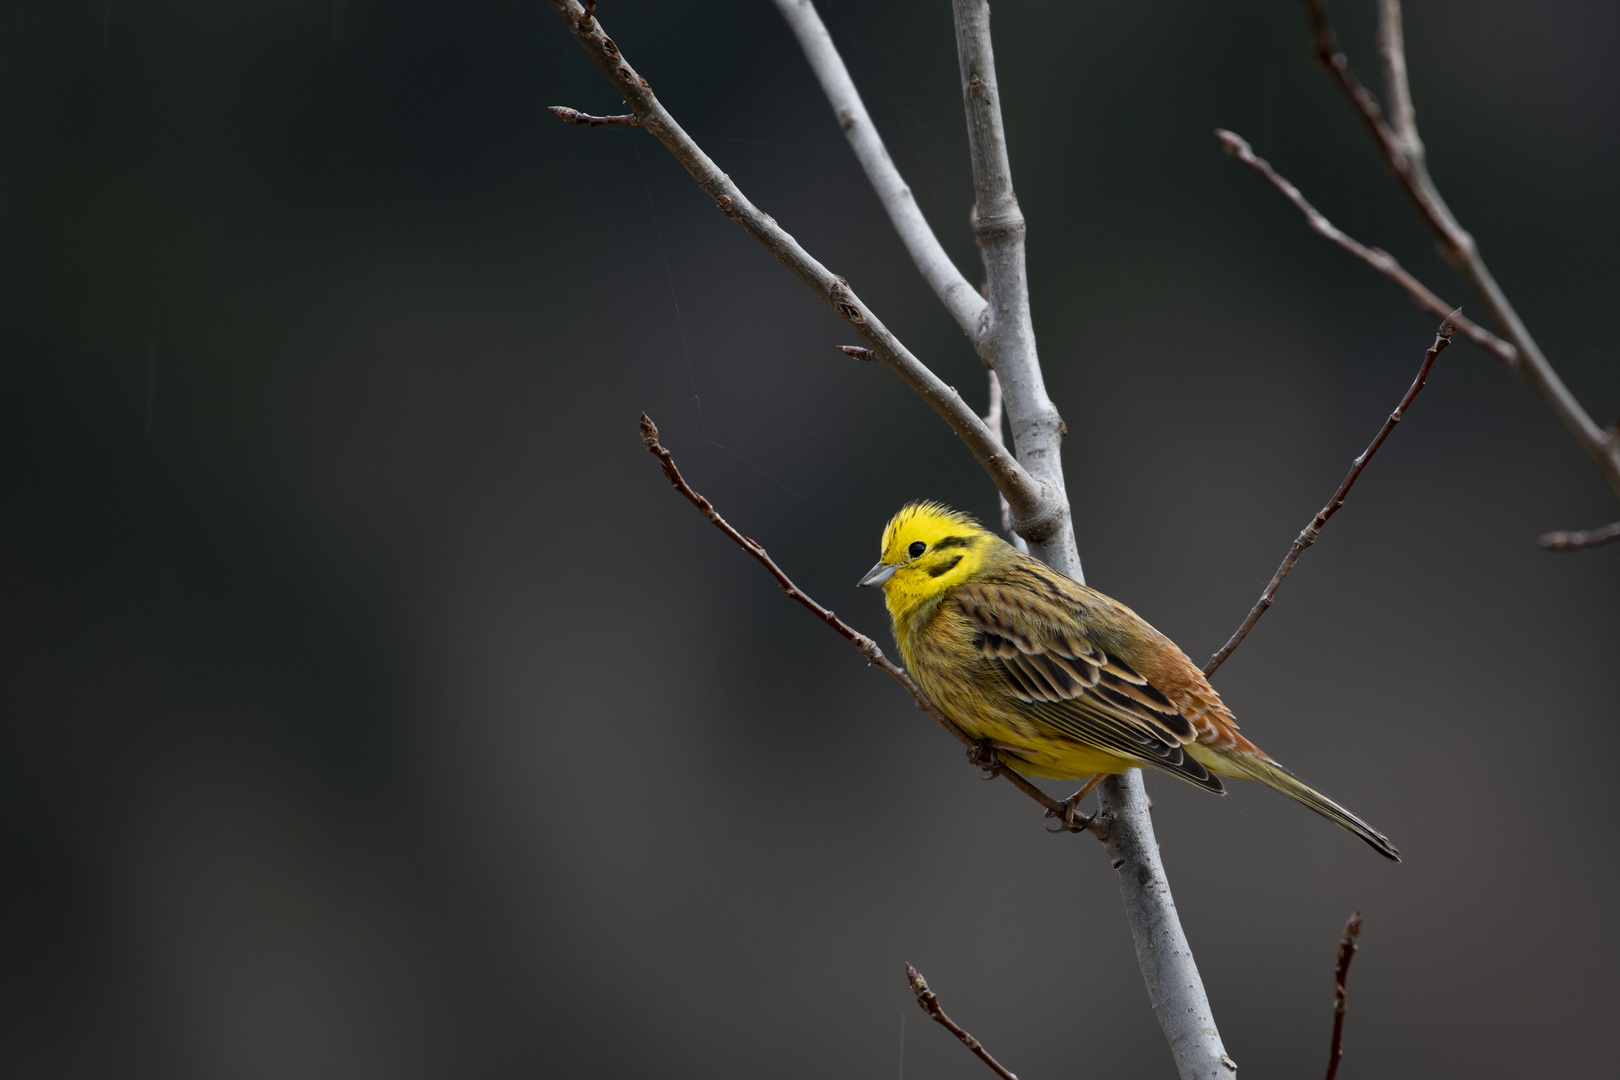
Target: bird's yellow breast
x=938, y=645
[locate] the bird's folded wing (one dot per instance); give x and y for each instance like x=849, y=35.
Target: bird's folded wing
x=1070, y=686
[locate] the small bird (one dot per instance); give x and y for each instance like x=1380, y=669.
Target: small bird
x=1058, y=679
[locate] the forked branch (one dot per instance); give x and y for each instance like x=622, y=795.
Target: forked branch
x=1402, y=149
x=978, y=753
x=1040, y=507
x=960, y=298
x=1308, y=535
x=930, y=1005
x=1380, y=260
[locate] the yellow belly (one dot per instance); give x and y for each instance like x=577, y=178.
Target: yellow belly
x=1056, y=759
x=1066, y=762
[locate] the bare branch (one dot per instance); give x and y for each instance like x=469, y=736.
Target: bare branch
x=1379, y=260
x=930, y=1005
x=1008, y=343
x=1403, y=151
x=992, y=420
x=1173, y=984
x=961, y=299
x=1040, y=506
x=1341, y=972
x=1307, y=537
x=574, y=116
x=1574, y=541
x=1392, y=52
x=978, y=753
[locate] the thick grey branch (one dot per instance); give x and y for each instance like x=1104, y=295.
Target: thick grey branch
x=961, y=299
x=1174, y=987
x=1008, y=343
x=1040, y=505
x=1403, y=151
x=1380, y=260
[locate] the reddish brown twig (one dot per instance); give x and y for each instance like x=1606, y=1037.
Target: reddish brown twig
x=1306, y=538
x=930, y=1005
x=1403, y=151
x=574, y=116
x=978, y=752
x=589, y=13
x=1341, y=971
x=1575, y=541
x=1380, y=260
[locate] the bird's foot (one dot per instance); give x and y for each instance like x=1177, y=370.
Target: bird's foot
x=1070, y=817
x=982, y=756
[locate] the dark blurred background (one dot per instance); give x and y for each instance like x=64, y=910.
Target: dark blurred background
x=371, y=707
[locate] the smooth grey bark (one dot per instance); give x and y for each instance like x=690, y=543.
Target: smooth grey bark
x=1008, y=341
x=1173, y=984
x=960, y=298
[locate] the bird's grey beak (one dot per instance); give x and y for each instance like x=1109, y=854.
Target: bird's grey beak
x=876, y=576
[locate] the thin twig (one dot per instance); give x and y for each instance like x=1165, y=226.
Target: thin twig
x=1041, y=506
x=1307, y=537
x=1380, y=260
x=978, y=752
x=574, y=116
x=961, y=299
x=992, y=420
x=930, y=1005
x=1341, y=972
x=1574, y=541
x=1403, y=151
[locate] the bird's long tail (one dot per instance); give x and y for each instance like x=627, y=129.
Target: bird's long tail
x=1277, y=778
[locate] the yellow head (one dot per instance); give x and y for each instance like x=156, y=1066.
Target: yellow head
x=927, y=548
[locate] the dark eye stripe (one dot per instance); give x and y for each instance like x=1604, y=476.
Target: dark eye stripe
x=947, y=568
x=955, y=541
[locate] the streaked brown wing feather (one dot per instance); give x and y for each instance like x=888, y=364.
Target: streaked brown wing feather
x=1042, y=635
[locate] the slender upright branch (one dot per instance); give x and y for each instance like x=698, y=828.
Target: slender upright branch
x=1397, y=90
x=1575, y=541
x=978, y=753
x=992, y=419
x=1008, y=342
x=1380, y=260
x=1341, y=972
x=930, y=1005
x=1307, y=537
x=961, y=299
x=1040, y=507
x=1403, y=151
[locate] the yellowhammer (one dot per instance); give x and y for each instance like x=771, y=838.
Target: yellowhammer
x=1058, y=679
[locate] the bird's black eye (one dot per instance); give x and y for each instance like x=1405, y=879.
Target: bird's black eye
x=917, y=548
